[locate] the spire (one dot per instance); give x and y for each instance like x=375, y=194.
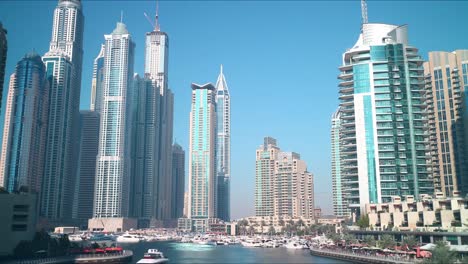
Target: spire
x=221, y=84
x=121, y=16
x=364, y=11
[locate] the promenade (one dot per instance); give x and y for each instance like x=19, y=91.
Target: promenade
x=124, y=257
x=361, y=257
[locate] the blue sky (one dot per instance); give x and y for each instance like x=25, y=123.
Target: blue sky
x=280, y=60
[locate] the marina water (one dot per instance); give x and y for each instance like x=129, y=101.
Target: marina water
x=195, y=253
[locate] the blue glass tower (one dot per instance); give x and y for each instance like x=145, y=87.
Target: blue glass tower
x=22, y=159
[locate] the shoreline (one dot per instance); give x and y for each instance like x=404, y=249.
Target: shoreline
x=125, y=257
x=356, y=258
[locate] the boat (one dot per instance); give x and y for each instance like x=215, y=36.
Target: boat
x=127, y=238
x=295, y=245
x=75, y=238
x=251, y=244
x=153, y=256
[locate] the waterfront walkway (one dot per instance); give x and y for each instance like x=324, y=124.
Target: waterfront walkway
x=355, y=257
x=124, y=257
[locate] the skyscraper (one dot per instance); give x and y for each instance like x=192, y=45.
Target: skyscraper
x=382, y=134
x=86, y=175
x=446, y=80
x=145, y=149
x=287, y=166
x=178, y=181
x=339, y=199
x=202, y=175
x=97, y=81
x=59, y=178
x=283, y=185
x=24, y=133
x=156, y=69
x=223, y=146
x=62, y=143
x=3, y=57
x=264, y=173
x=112, y=169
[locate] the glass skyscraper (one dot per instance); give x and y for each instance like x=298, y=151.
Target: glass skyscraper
x=339, y=199
x=202, y=175
x=24, y=134
x=382, y=137
x=86, y=175
x=113, y=159
x=223, y=147
x=64, y=57
x=178, y=181
x=156, y=69
x=3, y=57
x=58, y=181
x=97, y=81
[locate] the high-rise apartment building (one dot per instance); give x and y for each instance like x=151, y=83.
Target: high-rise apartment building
x=113, y=159
x=58, y=182
x=382, y=135
x=287, y=164
x=156, y=69
x=86, y=175
x=64, y=57
x=202, y=175
x=97, y=81
x=446, y=79
x=283, y=186
x=178, y=181
x=339, y=199
x=264, y=173
x=24, y=133
x=145, y=149
x=223, y=147
x=3, y=57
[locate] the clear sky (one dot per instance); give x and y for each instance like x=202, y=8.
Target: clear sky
x=280, y=60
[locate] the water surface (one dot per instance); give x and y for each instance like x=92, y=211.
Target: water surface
x=193, y=253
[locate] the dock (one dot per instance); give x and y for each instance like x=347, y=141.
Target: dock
x=124, y=257
x=355, y=258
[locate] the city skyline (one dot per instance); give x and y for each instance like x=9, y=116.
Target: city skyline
x=234, y=73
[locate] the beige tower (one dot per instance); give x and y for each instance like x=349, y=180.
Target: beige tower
x=446, y=76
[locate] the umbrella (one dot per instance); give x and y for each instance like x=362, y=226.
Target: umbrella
x=429, y=246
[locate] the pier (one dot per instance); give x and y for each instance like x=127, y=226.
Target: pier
x=358, y=258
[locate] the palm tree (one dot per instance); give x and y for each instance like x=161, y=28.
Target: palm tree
x=441, y=255
x=409, y=242
x=271, y=230
x=369, y=240
x=386, y=241
x=262, y=224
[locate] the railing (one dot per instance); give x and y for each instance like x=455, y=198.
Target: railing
x=79, y=257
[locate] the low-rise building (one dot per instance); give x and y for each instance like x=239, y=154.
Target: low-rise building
x=184, y=224
x=425, y=214
x=17, y=221
x=115, y=224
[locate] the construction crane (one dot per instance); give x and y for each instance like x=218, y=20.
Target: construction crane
x=154, y=24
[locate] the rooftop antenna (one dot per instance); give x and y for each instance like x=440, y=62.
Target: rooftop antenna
x=364, y=11
x=156, y=23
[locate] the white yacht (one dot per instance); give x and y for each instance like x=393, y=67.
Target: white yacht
x=75, y=238
x=295, y=245
x=127, y=238
x=153, y=256
x=251, y=243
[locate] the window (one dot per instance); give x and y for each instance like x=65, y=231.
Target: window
x=19, y=227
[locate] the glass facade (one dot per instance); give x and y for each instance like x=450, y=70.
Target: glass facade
x=382, y=138
x=202, y=178
x=25, y=126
